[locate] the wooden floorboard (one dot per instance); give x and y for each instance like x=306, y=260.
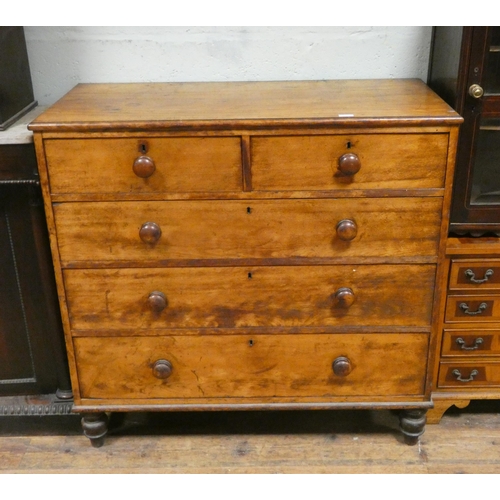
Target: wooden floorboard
x=315, y=442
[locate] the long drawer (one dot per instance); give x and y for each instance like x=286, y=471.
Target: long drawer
x=251, y=366
x=186, y=230
x=227, y=297
x=380, y=161
x=170, y=165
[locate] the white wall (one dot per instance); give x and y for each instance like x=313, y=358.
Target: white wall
x=61, y=57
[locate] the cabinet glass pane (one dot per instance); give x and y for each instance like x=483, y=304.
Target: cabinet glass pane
x=486, y=171
x=492, y=74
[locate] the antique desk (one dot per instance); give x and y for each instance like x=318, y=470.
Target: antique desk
x=270, y=245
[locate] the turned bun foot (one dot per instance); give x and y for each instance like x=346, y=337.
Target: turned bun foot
x=95, y=427
x=412, y=425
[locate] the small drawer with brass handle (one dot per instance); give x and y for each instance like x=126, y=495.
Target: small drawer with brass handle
x=484, y=342
x=465, y=375
x=473, y=275
x=472, y=308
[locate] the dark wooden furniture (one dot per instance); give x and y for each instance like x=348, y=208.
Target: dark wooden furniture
x=16, y=89
x=465, y=71
x=34, y=377
x=271, y=245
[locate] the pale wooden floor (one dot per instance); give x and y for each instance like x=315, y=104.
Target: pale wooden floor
x=466, y=441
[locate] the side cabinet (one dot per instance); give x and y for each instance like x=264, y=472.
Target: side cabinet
x=465, y=72
x=33, y=368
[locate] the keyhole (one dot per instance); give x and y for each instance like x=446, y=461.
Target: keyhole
x=348, y=145
x=250, y=343
x=143, y=148
x=249, y=276
x=249, y=210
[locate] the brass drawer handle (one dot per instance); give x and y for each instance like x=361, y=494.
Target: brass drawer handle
x=458, y=375
x=461, y=342
x=469, y=273
x=465, y=308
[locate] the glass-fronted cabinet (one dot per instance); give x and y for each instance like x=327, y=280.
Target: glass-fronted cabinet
x=465, y=71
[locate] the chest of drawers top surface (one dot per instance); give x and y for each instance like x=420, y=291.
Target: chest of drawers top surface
x=244, y=104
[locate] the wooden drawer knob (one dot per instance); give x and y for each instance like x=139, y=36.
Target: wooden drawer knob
x=162, y=369
x=157, y=301
x=342, y=366
x=349, y=164
x=144, y=166
x=344, y=297
x=347, y=230
x=150, y=232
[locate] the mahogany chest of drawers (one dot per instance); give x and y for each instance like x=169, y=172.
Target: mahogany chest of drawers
x=253, y=245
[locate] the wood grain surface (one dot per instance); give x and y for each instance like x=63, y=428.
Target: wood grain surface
x=239, y=104
x=187, y=164
x=250, y=366
x=258, y=229
x=236, y=297
x=388, y=161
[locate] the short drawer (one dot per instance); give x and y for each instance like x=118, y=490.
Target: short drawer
x=471, y=343
x=251, y=366
x=466, y=375
x=473, y=275
x=263, y=229
x=163, y=165
x=226, y=297
x=377, y=161
x=472, y=308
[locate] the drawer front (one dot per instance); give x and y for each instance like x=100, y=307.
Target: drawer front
x=385, y=161
x=475, y=275
x=466, y=375
x=471, y=343
x=251, y=366
x=472, y=308
x=195, y=164
x=225, y=297
x=109, y=231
